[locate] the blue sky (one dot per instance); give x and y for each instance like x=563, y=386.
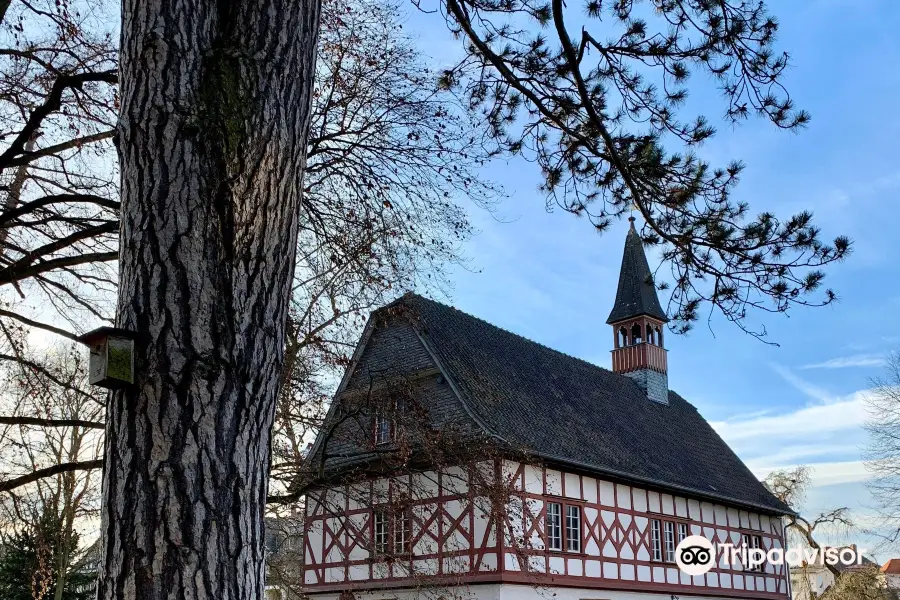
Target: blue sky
x=549, y=277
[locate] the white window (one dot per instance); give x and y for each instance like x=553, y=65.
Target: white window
x=563, y=535
x=573, y=528
x=670, y=541
x=385, y=421
x=383, y=428
x=752, y=542
x=664, y=537
x=380, y=531
x=402, y=533
x=682, y=532
x=554, y=526
x=656, y=539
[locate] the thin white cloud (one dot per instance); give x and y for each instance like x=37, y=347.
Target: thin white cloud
x=822, y=474
x=844, y=362
x=798, y=454
x=827, y=431
x=837, y=415
x=808, y=388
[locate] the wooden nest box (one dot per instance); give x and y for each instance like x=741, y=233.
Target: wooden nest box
x=112, y=357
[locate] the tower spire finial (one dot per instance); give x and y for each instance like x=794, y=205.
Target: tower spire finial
x=638, y=322
x=636, y=294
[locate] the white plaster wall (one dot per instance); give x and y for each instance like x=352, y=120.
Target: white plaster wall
x=508, y=592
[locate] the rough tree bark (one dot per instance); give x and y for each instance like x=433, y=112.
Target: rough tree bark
x=212, y=131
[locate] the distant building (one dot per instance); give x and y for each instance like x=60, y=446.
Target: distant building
x=891, y=572
x=810, y=581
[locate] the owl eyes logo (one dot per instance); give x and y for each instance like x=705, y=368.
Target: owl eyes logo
x=695, y=555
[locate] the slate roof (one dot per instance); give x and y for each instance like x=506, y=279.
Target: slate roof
x=636, y=294
x=569, y=411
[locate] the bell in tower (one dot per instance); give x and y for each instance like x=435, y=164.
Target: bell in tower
x=638, y=322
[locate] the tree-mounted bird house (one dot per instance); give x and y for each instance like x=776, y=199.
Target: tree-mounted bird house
x=112, y=357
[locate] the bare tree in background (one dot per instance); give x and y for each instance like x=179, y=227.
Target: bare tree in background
x=61, y=501
x=882, y=456
x=58, y=201
x=789, y=486
x=389, y=155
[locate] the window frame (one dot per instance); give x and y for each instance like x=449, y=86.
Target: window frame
x=656, y=545
x=381, y=420
x=563, y=526
x=403, y=517
x=386, y=530
x=752, y=540
x=386, y=414
x=683, y=531
x=665, y=535
x=669, y=541
x=550, y=527
x=570, y=527
x=380, y=546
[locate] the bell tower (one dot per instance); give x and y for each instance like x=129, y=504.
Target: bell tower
x=638, y=322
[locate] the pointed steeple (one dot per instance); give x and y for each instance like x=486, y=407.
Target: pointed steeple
x=638, y=321
x=636, y=295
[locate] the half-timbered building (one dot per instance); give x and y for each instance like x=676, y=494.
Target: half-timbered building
x=459, y=459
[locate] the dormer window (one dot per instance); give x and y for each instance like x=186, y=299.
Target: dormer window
x=384, y=423
x=384, y=428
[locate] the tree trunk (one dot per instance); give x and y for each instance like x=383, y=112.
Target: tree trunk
x=215, y=100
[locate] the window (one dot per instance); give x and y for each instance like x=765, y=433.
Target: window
x=392, y=531
x=563, y=536
x=664, y=537
x=383, y=428
x=385, y=421
x=752, y=542
x=670, y=541
x=554, y=528
x=380, y=533
x=573, y=528
x=402, y=533
x=682, y=532
x=655, y=539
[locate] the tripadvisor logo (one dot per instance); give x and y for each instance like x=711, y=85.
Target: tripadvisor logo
x=696, y=555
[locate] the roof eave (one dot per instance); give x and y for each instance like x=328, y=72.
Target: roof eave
x=613, y=320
